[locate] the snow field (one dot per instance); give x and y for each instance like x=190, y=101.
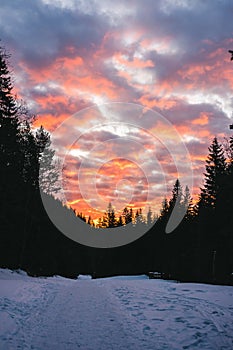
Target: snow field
x=130, y=312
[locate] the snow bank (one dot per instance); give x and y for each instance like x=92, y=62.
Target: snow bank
x=84, y=277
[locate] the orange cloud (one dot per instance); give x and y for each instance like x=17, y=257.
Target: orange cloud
x=202, y=120
x=48, y=121
x=136, y=62
x=161, y=103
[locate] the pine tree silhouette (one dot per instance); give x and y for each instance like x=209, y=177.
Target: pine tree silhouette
x=49, y=179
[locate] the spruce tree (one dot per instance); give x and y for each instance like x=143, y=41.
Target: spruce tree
x=127, y=215
x=139, y=219
x=177, y=195
x=49, y=167
x=8, y=105
x=9, y=130
x=211, y=208
x=164, y=209
x=149, y=216
x=188, y=204
x=30, y=156
x=11, y=169
x=120, y=221
x=214, y=176
x=111, y=217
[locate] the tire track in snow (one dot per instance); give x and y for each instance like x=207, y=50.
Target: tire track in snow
x=81, y=316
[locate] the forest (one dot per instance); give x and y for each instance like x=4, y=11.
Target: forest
x=199, y=250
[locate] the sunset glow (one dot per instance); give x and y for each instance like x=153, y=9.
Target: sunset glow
x=168, y=56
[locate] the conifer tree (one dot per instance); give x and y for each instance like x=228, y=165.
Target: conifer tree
x=49, y=167
x=120, y=221
x=149, y=216
x=30, y=156
x=188, y=204
x=111, y=217
x=12, y=197
x=164, y=210
x=90, y=221
x=10, y=154
x=139, y=219
x=127, y=215
x=8, y=105
x=212, y=209
x=214, y=176
x=177, y=196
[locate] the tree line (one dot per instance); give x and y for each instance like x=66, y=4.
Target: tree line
x=110, y=219
x=199, y=249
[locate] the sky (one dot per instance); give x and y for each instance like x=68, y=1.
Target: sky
x=124, y=77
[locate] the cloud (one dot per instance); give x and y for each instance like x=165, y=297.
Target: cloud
x=168, y=55
x=44, y=31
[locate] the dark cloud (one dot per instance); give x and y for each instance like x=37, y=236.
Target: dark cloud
x=184, y=113
x=39, y=33
x=188, y=23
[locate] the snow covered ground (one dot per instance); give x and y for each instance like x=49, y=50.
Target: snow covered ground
x=114, y=313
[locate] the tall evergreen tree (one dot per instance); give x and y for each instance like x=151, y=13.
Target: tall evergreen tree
x=188, y=204
x=164, y=209
x=111, y=217
x=30, y=156
x=177, y=196
x=139, y=219
x=11, y=169
x=211, y=213
x=10, y=156
x=8, y=105
x=127, y=215
x=49, y=167
x=149, y=216
x=214, y=176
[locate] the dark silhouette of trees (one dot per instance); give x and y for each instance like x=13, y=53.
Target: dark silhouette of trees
x=127, y=215
x=149, y=217
x=199, y=249
x=120, y=221
x=30, y=163
x=139, y=219
x=177, y=196
x=188, y=204
x=11, y=168
x=213, y=206
x=8, y=106
x=24, y=227
x=49, y=168
x=111, y=216
x=164, y=210
x=215, y=170
x=81, y=216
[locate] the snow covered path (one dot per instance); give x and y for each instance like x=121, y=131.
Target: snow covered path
x=115, y=313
